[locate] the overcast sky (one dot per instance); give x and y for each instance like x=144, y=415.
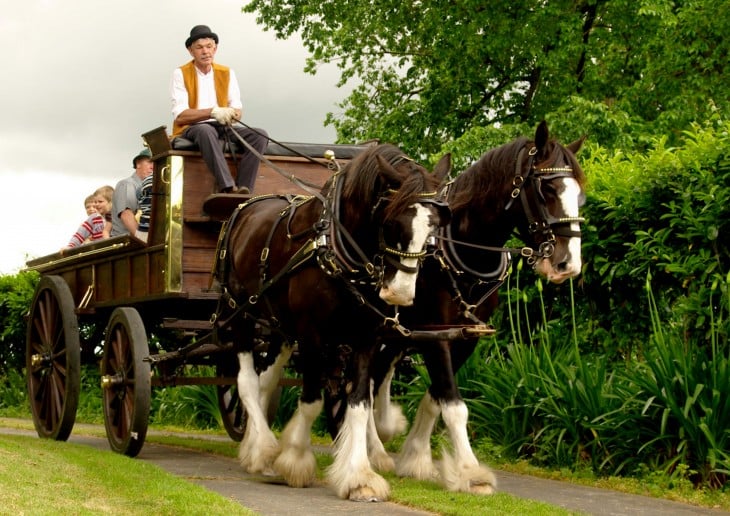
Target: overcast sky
x=81, y=80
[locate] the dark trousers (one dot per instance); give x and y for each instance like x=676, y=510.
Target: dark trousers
x=208, y=138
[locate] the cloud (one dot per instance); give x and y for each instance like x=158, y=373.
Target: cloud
x=83, y=80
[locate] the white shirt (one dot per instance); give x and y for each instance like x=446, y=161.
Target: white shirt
x=206, y=92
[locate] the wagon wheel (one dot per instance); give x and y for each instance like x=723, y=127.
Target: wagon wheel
x=229, y=403
x=53, y=359
x=125, y=381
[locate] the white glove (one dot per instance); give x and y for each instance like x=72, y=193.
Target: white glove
x=223, y=115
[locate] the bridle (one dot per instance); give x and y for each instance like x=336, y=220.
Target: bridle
x=341, y=253
x=540, y=222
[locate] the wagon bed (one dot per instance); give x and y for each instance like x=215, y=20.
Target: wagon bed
x=121, y=290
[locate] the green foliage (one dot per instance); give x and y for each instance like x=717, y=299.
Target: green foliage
x=16, y=294
x=665, y=211
x=90, y=399
x=13, y=394
x=427, y=73
x=684, y=389
x=193, y=406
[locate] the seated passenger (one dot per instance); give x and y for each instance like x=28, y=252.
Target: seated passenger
x=93, y=228
x=108, y=192
x=206, y=101
x=126, y=196
x=89, y=205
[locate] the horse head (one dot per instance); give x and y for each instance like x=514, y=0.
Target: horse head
x=551, y=194
x=404, y=217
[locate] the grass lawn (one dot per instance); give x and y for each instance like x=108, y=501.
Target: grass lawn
x=39, y=476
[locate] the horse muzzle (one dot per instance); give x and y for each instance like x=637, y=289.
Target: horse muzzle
x=557, y=273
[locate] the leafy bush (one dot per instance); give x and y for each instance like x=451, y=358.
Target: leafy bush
x=16, y=294
x=13, y=395
x=668, y=212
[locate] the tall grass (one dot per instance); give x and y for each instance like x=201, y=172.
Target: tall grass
x=668, y=412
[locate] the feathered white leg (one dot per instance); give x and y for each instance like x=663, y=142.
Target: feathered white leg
x=296, y=462
x=258, y=446
x=415, y=457
x=350, y=474
x=389, y=418
x=379, y=458
x=462, y=471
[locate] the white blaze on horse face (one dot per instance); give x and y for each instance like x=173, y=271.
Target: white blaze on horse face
x=401, y=290
x=569, y=264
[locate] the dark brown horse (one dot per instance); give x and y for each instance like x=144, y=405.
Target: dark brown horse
x=533, y=188
x=317, y=272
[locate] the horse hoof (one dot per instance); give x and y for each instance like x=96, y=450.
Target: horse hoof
x=482, y=489
x=363, y=494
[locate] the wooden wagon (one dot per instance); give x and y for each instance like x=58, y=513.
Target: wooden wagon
x=110, y=297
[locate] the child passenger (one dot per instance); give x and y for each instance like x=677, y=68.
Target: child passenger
x=89, y=205
x=95, y=226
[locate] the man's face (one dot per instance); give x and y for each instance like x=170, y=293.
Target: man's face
x=145, y=166
x=203, y=51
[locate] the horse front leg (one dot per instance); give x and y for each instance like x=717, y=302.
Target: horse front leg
x=296, y=462
x=270, y=376
x=351, y=474
x=462, y=471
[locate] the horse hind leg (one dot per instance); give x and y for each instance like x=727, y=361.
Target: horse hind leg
x=296, y=462
x=462, y=471
x=389, y=418
x=379, y=458
x=415, y=459
x=258, y=447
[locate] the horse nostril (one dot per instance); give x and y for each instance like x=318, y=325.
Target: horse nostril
x=562, y=267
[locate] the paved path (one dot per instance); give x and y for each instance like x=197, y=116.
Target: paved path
x=223, y=475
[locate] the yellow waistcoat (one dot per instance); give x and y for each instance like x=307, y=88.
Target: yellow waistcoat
x=221, y=78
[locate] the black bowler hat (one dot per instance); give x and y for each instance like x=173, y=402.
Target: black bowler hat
x=200, y=32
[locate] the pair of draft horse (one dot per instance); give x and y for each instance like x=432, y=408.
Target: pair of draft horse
x=320, y=272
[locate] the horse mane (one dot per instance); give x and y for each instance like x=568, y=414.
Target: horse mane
x=364, y=182
x=487, y=182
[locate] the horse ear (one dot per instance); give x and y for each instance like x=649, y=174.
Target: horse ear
x=443, y=167
x=541, y=136
x=388, y=171
x=575, y=146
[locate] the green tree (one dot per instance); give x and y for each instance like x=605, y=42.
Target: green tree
x=428, y=72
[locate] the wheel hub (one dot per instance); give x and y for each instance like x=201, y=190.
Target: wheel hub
x=40, y=360
x=109, y=381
